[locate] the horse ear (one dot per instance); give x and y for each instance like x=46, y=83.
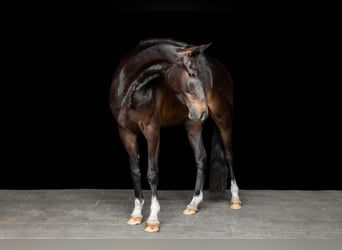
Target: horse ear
x=204, y=47
x=194, y=49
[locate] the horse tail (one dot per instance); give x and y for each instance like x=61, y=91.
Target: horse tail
x=218, y=165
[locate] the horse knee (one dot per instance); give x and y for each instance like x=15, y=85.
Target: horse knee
x=135, y=172
x=152, y=178
x=201, y=162
x=201, y=156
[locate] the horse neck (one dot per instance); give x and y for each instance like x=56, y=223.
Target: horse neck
x=136, y=65
x=141, y=68
x=154, y=55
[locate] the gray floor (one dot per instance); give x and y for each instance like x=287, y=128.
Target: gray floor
x=102, y=214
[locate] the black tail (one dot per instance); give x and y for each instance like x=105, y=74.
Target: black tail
x=218, y=165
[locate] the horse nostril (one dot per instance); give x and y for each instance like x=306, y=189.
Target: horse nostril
x=203, y=116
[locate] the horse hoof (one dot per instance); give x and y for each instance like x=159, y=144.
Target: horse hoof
x=152, y=227
x=133, y=220
x=235, y=205
x=190, y=211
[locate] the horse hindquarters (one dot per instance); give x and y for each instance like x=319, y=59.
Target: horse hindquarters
x=220, y=102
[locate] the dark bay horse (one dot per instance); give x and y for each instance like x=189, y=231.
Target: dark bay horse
x=163, y=82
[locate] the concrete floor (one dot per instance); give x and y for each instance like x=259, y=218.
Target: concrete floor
x=102, y=214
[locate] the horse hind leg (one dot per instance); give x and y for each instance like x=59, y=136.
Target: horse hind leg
x=194, y=131
x=129, y=140
x=235, y=202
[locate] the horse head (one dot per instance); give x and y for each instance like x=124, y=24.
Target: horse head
x=190, y=78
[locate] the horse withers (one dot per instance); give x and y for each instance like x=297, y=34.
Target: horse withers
x=163, y=83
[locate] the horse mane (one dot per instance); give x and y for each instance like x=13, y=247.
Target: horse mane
x=142, y=79
x=147, y=43
x=152, y=41
x=151, y=73
x=200, y=58
x=203, y=69
x=143, y=45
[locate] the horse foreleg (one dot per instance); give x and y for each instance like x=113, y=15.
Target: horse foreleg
x=152, y=135
x=194, y=131
x=129, y=140
x=136, y=216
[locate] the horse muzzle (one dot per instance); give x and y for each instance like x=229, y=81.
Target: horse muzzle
x=198, y=116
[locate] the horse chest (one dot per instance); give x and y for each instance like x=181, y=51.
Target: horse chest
x=172, y=112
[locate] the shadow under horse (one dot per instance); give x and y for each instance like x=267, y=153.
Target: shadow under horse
x=163, y=82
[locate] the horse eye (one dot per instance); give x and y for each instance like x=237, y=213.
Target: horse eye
x=191, y=88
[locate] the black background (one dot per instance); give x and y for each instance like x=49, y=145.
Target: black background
x=58, y=131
